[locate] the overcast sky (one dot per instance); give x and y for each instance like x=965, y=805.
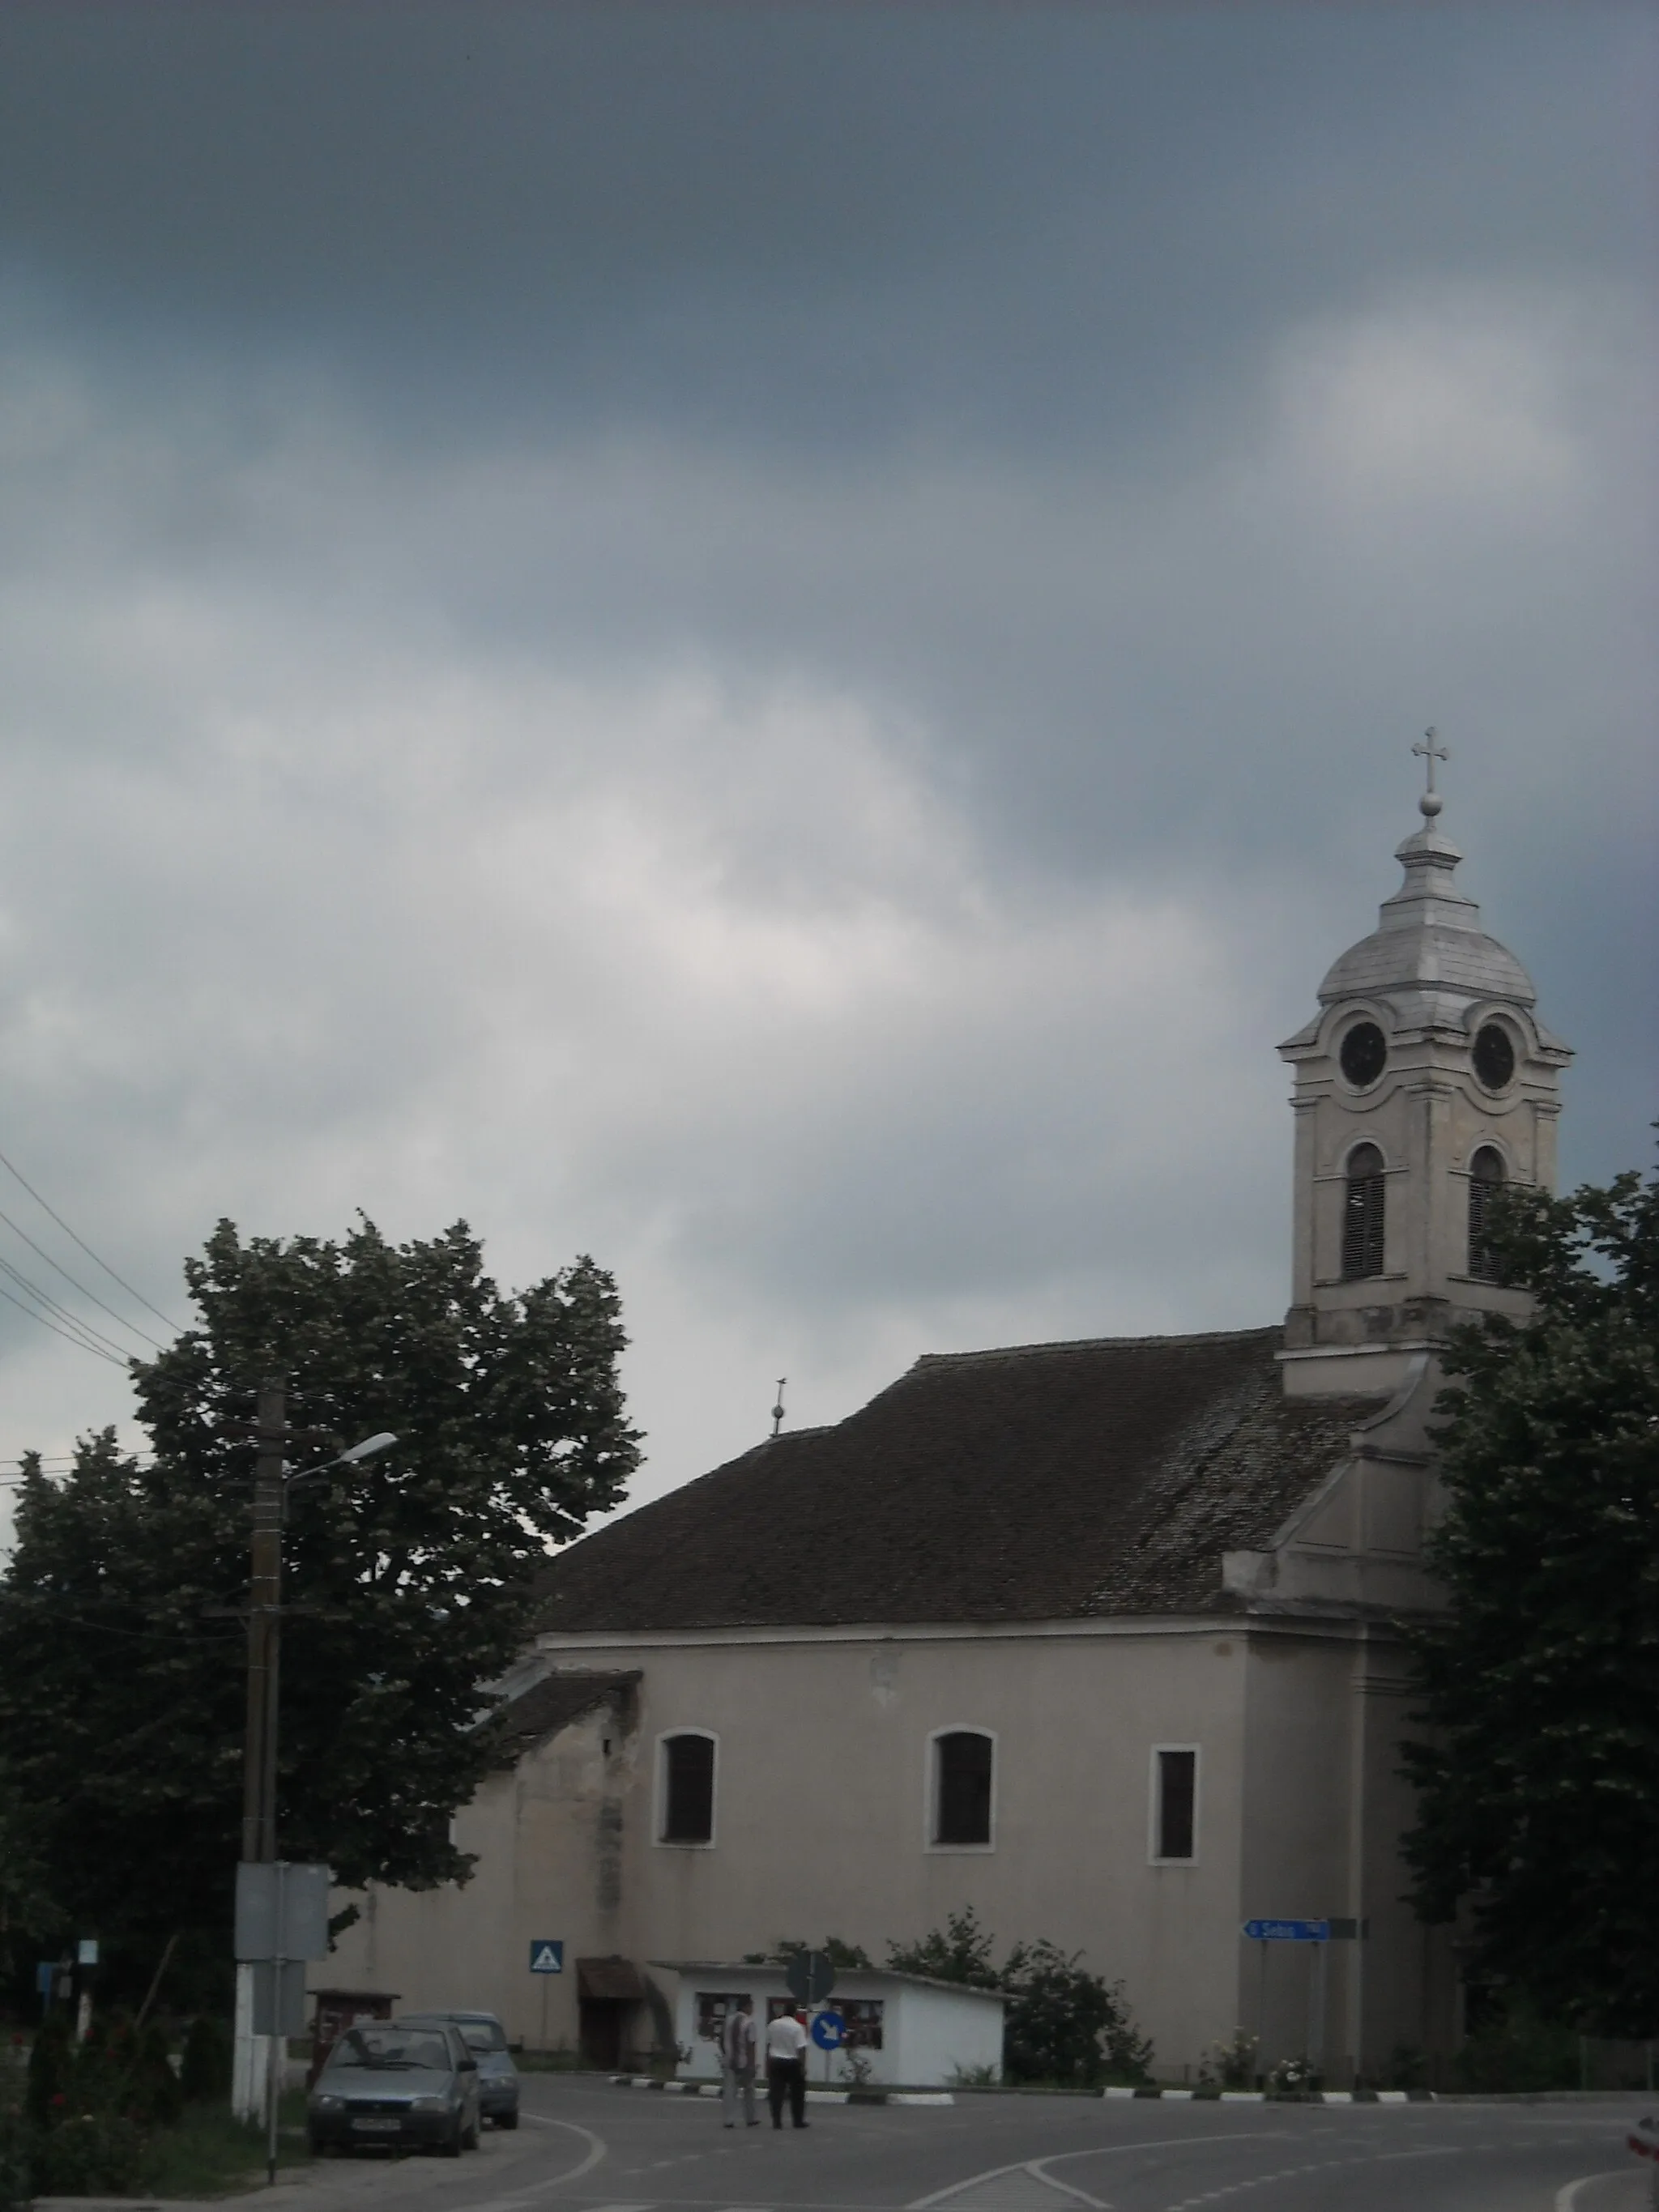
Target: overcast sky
x=777, y=641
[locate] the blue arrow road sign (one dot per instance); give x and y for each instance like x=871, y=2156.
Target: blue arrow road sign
x=828, y=2031
x=546, y=1956
x=1288, y=1931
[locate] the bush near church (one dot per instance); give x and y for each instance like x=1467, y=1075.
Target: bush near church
x=1062, y=2024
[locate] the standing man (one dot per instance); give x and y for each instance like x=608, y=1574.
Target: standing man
x=786, y=2067
x=738, y=2063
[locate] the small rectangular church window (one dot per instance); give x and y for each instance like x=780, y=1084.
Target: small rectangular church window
x=962, y=1788
x=688, y=1789
x=1174, y=1805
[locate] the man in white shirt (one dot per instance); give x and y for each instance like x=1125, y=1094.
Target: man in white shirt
x=786, y=2068
x=738, y=2063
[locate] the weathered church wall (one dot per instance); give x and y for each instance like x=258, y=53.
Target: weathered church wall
x=547, y=1838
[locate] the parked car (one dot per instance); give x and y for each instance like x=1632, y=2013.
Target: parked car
x=398, y=2085
x=486, y=2038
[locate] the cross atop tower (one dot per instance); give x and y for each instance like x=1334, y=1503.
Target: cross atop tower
x=1429, y=751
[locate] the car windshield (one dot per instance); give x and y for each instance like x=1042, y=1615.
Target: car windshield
x=476, y=2034
x=390, y=2047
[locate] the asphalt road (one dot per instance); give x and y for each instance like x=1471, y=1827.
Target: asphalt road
x=586, y=2146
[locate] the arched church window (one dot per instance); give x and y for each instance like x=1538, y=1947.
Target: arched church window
x=687, y=1789
x=1485, y=1177
x=961, y=1787
x=1362, y=1214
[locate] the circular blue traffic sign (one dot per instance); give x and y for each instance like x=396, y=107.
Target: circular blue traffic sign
x=828, y=2031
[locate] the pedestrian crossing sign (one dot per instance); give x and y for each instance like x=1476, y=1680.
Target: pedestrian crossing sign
x=546, y=1956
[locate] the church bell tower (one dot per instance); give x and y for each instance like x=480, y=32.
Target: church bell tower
x=1424, y=1082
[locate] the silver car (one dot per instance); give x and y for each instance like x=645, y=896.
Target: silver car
x=396, y=2085
x=486, y=2038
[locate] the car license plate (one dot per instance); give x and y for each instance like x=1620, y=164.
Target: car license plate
x=378, y=2127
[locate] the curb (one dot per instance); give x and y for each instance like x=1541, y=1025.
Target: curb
x=948, y=2096
x=813, y=2096
x=1264, y=2097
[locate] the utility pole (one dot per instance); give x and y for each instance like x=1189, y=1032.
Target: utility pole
x=264, y=1625
x=265, y=1633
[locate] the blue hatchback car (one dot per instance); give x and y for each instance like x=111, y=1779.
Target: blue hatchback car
x=486, y=2038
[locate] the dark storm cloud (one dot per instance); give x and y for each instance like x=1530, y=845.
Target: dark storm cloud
x=830, y=225
x=781, y=640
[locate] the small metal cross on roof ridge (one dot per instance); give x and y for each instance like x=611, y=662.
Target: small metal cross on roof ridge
x=1431, y=750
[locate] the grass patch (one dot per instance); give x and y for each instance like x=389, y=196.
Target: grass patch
x=212, y=2154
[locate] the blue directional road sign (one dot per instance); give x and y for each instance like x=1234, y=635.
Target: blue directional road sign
x=546, y=1956
x=1288, y=1931
x=828, y=2031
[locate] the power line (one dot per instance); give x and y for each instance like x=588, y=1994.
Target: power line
x=80, y=1341
x=81, y=1287
x=63, y=1313
x=165, y=1319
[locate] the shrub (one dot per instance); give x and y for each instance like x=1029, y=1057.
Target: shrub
x=1518, y=2050
x=961, y=1952
x=89, y=2155
x=51, y=2069
x=1291, y=2078
x=15, y=2190
x=1061, y=2023
x=1065, y=2024
x=1407, y=2067
x=1231, y=2065
x=205, y=2077
x=154, y=2097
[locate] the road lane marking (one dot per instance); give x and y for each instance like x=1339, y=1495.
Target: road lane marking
x=1566, y=2198
x=599, y=2148
x=1035, y=2166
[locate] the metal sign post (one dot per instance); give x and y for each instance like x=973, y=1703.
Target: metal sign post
x=829, y=2032
x=1321, y=1934
x=810, y=1977
x=546, y=1958
x=1318, y=1969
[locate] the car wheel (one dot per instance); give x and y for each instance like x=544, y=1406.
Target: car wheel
x=507, y=2119
x=470, y=2140
x=451, y=2145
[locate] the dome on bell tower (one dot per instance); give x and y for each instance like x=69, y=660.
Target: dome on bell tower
x=1425, y=1079
x=1428, y=938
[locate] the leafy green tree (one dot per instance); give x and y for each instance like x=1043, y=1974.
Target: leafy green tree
x=1065, y=2024
x=121, y=1679
x=845, y=1957
x=1538, y=1812
x=1062, y=2022
x=27, y=1908
x=959, y=1952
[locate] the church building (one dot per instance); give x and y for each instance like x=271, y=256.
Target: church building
x=1099, y=1638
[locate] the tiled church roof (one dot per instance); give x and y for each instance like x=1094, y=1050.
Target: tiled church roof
x=1051, y=1481
x=550, y=1705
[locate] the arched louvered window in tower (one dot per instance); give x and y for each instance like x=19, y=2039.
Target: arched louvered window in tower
x=1362, y=1214
x=1485, y=1177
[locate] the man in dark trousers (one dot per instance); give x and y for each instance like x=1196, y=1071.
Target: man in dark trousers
x=786, y=2067
x=738, y=2063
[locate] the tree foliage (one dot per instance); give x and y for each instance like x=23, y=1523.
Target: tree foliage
x=122, y=1686
x=1061, y=2023
x=1538, y=1813
x=961, y=1951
